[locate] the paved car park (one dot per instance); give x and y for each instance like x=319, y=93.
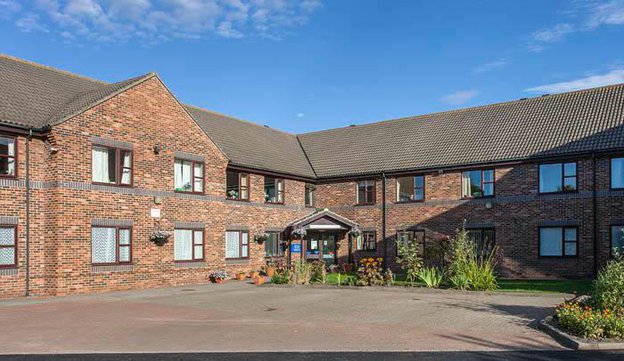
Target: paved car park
x=237, y=316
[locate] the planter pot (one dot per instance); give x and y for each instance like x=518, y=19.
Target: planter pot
x=254, y=274
x=240, y=276
x=216, y=280
x=270, y=271
x=258, y=280
x=347, y=267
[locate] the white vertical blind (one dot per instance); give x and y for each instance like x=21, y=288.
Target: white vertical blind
x=104, y=245
x=182, y=248
x=232, y=249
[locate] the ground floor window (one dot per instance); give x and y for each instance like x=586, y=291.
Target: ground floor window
x=8, y=246
x=617, y=240
x=110, y=245
x=558, y=241
x=366, y=242
x=272, y=246
x=483, y=239
x=188, y=245
x=407, y=237
x=236, y=244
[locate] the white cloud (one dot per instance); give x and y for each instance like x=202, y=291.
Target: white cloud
x=460, y=97
x=615, y=76
x=493, y=65
x=154, y=21
x=585, y=15
x=300, y=115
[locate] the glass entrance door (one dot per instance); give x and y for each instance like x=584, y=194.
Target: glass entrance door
x=321, y=247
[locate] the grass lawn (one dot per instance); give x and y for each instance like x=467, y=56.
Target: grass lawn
x=537, y=286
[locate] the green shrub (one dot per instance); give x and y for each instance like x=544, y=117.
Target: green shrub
x=318, y=273
x=410, y=260
x=302, y=272
x=431, y=276
x=281, y=277
x=369, y=272
x=609, y=287
x=468, y=270
x=588, y=322
x=459, y=281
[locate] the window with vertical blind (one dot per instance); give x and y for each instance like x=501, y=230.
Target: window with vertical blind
x=236, y=244
x=111, y=165
x=8, y=246
x=483, y=239
x=411, y=189
x=188, y=176
x=366, y=241
x=366, y=192
x=8, y=156
x=273, y=190
x=111, y=245
x=188, y=244
x=478, y=183
x=237, y=185
x=272, y=246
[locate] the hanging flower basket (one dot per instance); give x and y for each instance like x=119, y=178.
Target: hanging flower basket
x=160, y=237
x=298, y=233
x=355, y=231
x=260, y=238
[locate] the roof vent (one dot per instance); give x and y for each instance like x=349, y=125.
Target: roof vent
x=266, y=126
x=524, y=98
x=545, y=95
x=352, y=125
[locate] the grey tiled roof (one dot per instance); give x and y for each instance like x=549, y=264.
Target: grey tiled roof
x=552, y=125
x=251, y=145
x=587, y=120
x=33, y=95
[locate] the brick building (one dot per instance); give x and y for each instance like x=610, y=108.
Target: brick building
x=91, y=171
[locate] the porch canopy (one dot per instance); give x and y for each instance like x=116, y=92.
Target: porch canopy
x=323, y=220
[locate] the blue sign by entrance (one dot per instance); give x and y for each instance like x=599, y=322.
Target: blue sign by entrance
x=295, y=248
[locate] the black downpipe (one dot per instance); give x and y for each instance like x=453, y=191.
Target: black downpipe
x=594, y=215
x=27, y=287
x=383, y=221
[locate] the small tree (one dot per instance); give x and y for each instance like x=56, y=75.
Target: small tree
x=410, y=260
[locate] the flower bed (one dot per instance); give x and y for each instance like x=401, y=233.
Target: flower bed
x=583, y=320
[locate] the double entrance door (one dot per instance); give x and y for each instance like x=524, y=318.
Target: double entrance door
x=321, y=247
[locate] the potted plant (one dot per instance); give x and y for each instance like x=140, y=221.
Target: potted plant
x=253, y=274
x=260, y=238
x=258, y=280
x=270, y=269
x=240, y=276
x=218, y=276
x=160, y=237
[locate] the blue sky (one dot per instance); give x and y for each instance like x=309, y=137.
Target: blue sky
x=305, y=65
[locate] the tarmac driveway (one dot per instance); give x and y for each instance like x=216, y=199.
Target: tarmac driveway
x=237, y=316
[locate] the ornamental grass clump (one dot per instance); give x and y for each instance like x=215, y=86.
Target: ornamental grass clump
x=432, y=277
x=301, y=272
x=369, y=272
x=318, y=272
x=469, y=270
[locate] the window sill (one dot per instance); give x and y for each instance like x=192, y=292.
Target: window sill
x=189, y=264
x=275, y=203
x=106, y=268
x=237, y=199
x=470, y=198
x=188, y=192
x=9, y=270
x=364, y=204
x=558, y=192
x=112, y=185
x=236, y=261
x=408, y=202
x=3, y=176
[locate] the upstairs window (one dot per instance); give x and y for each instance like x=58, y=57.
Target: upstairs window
x=617, y=240
x=237, y=185
x=236, y=244
x=188, y=245
x=558, y=241
x=366, y=242
x=411, y=189
x=7, y=157
x=272, y=246
x=617, y=173
x=111, y=245
x=188, y=176
x=273, y=190
x=557, y=177
x=478, y=183
x=366, y=192
x=8, y=246
x=309, y=195
x=111, y=165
